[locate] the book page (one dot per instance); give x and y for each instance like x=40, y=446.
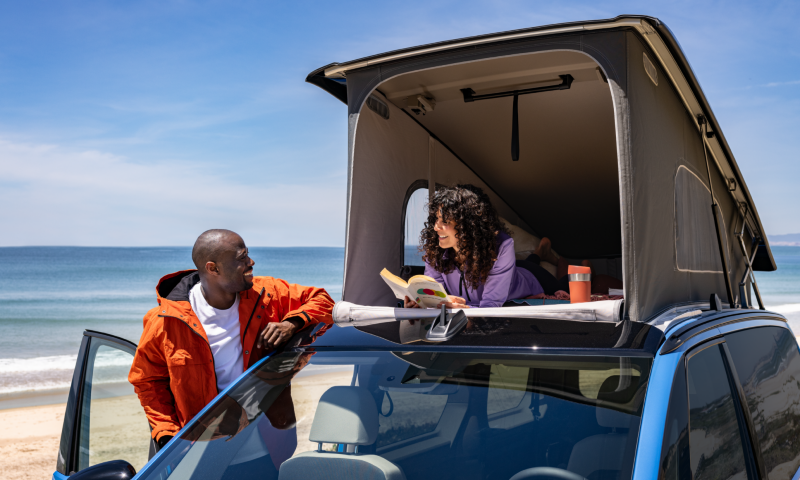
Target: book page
x=398, y=285
x=427, y=292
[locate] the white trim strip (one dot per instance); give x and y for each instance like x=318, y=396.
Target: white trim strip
x=340, y=70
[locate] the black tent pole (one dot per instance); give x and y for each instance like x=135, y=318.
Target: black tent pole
x=748, y=265
x=717, y=212
x=470, y=96
x=515, y=130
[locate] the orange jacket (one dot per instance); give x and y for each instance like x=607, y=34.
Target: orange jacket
x=173, y=369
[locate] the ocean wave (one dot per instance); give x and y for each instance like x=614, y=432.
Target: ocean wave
x=55, y=372
x=37, y=386
x=77, y=295
x=787, y=308
x=38, y=364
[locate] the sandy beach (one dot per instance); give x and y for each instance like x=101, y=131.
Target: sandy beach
x=29, y=441
x=30, y=436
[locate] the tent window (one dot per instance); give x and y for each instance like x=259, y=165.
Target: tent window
x=696, y=247
x=416, y=213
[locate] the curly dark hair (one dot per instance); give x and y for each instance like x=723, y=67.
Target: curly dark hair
x=477, y=226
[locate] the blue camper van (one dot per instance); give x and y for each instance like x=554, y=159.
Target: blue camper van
x=595, y=134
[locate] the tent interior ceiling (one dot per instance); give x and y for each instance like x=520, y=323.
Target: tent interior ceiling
x=565, y=184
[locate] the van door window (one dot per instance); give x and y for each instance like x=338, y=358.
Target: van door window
x=768, y=366
x=113, y=425
x=715, y=439
x=415, y=216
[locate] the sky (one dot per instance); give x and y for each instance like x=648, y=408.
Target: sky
x=145, y=123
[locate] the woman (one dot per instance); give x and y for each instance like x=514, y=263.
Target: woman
x=468, y=250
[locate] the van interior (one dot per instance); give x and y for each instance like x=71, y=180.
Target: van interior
x=456, y=124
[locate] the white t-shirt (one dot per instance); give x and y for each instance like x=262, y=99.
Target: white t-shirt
x=222, y=330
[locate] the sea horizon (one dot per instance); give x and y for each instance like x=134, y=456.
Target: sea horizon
x=50, y=294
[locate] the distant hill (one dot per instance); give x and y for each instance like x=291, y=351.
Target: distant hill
x=789, y=239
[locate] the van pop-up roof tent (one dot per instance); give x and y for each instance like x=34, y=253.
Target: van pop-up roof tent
x=590, y=133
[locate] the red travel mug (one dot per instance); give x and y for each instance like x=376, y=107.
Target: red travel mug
x=580, y=284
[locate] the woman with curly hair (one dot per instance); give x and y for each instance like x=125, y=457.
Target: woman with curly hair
x=468, y=250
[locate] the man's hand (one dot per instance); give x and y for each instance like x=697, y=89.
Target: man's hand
x=278, y=332
x=454, y=302
x=163, y=441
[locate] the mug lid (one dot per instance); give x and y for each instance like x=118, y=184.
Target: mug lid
x=579, y=269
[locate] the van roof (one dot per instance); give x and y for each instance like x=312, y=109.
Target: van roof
x=339, y=70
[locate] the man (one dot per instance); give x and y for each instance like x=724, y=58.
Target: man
x=212, y=324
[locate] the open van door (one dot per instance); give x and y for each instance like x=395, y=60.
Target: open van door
x=104, y=420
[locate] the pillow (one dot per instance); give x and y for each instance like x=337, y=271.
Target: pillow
x=525, y=244
x=523, y=241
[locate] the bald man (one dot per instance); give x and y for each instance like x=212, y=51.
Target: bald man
x=210, y=326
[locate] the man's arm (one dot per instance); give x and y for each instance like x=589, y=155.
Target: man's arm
x=298, y=307
x=150, y=379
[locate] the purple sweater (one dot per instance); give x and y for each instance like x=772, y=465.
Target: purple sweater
x=505, y=281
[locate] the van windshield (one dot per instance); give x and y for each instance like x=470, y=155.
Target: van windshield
x=421, y=415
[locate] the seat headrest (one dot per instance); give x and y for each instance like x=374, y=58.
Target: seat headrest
x=607, y=417
x=345, y=415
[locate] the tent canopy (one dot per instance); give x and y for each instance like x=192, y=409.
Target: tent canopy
x=611, y=168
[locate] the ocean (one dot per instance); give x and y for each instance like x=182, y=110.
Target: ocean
x=49, y=295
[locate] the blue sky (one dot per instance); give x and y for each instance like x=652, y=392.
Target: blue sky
x=147, y=122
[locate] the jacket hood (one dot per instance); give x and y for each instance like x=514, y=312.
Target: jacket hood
x=176, y=286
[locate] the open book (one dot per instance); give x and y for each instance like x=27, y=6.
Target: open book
x=427, y=292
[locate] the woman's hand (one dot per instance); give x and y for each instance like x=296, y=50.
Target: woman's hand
x=454, y=302
x=410, y=303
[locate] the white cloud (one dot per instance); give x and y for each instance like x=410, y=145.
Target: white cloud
x=782, y=84
x=53, y=195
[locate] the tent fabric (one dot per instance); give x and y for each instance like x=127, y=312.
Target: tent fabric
x=389, y=156
x=665, y=139
x=696, y=248
x=657, y=146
